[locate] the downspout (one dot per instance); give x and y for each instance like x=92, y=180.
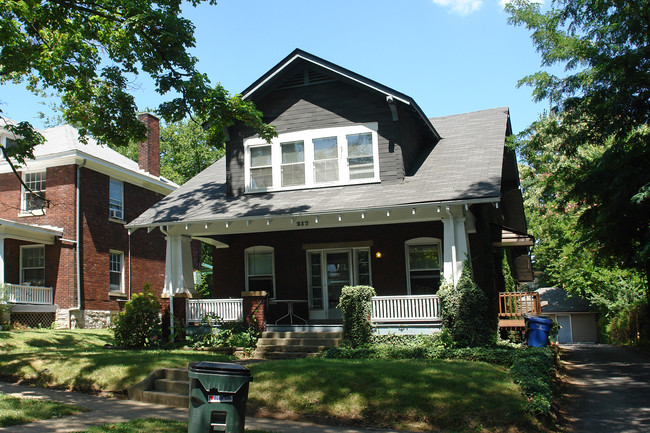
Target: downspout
x=128, y=232
x=78, y=234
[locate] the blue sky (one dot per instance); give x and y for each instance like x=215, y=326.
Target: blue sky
x=450, y=56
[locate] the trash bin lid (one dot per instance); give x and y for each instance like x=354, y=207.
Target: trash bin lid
x=222, y=368
x=541, y=319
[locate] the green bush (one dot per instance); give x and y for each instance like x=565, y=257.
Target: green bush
x=139, y=324
x=226, y=334
x=355, y=302
x=464, y=312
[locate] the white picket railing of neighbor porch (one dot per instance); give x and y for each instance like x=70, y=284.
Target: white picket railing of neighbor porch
x=229, y=310
x=405, y=309
x=22, y=294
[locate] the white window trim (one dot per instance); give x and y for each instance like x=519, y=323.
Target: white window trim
x=26, y=247
x=323, y=265
x=421, y=241
x=307, y=137
x=260, y=249
x=110, y=211
x=23, y=191
x=121, y=289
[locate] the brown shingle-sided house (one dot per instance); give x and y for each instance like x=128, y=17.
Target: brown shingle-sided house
x=359, y=187
x=70, y=259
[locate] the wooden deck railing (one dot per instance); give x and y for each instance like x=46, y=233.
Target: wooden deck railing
x=229, y=310
x=404, y=309
x=514, y=305
x=22, y=294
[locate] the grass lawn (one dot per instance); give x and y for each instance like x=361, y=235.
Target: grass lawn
x=15, y=410
x=76, y=359
x=148, y=425
x=425, y=395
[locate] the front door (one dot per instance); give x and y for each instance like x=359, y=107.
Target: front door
x=338, y=275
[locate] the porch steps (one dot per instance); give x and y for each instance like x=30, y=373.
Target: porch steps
x=289, y=345
x=166, y=386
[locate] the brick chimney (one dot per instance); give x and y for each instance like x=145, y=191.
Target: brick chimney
x=149, y=150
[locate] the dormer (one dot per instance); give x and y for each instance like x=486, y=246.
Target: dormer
x=335, y=128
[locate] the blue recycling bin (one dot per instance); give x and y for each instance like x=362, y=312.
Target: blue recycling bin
x=538, y=329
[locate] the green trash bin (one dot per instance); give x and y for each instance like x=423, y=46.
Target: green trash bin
x=218, y=394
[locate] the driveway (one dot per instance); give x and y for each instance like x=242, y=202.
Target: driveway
x=609, y=389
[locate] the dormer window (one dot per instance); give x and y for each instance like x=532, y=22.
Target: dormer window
x=312, y=159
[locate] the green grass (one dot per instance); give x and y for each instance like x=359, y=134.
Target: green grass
x=148, y=425
x=402, y=394
x=15, y=410
x=76, y=359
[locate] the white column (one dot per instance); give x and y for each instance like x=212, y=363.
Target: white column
x=456, y=245
x=178, y=266
x=2, y=260
x=462, y=246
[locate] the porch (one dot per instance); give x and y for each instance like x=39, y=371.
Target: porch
x=31, y=306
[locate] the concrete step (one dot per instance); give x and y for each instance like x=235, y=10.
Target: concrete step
x=330, y=342
x=172, y=386
x=166, y=398
x=176, y=374
x=312, y=349
x=278, y=334
x=288, y=355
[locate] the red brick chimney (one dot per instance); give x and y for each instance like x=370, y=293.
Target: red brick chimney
x=149, y=150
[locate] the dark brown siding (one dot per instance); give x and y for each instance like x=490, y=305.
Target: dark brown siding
x=328, y=105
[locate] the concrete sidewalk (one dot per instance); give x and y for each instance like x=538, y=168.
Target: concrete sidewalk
x=112, y=411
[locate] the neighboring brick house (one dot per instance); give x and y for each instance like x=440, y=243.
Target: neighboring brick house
x=71, y=260
x=359, y=187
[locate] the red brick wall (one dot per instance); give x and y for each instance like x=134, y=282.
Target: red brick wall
x=101, y=235
x=388, y=273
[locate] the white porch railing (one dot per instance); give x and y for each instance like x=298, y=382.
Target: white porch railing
x=21, y=294
x=229, y=310
x=408, y=308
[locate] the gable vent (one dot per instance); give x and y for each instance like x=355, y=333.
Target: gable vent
x=305, y=77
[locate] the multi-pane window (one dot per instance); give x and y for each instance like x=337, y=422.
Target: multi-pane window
x=313, y=158
x=293, y=163
x=116, y=199
x=32, y=265
x=34, y=194
x=423, y=266
x=116, y=271
x=260, y=273
x=261, y=170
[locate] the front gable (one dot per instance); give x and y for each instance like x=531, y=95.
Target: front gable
x=308, y=99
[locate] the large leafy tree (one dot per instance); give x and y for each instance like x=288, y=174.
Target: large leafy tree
x=600, y=107
x=88, y=51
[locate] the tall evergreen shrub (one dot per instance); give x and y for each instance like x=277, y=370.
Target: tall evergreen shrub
x=355, y=302
x=464, y=311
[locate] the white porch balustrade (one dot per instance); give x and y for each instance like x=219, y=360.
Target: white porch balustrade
x=405, y=309
x=229, y=310
x=21, y=294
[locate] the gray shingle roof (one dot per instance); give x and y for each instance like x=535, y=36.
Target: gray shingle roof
x=465, y=165
x=559, y=301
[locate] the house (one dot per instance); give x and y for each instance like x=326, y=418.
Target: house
x=359, y=187
x=68, y=259
x=576, y=316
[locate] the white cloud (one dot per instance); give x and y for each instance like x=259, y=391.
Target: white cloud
x=461, y=7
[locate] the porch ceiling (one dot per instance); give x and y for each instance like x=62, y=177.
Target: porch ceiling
x=29, y=232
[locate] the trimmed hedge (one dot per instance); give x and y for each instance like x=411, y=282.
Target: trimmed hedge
x=355, y=302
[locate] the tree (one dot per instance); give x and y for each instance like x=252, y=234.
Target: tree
x=600, y=110
x=88, y=51
x=561, y=252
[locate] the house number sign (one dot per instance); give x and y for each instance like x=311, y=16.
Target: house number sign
x=302, y=223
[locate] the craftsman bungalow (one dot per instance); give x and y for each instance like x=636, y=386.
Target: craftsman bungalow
x=359, y=187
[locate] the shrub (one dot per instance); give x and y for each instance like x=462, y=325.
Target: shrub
x=226, y=334
x=355, y=301
x=139, y=324
x=464, y=312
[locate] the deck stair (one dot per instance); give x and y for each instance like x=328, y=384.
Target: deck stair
x=166, y=386
x=288, y=345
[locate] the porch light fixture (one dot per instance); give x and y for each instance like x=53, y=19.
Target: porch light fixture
x=413, y=211
x=268, y=222
x=316, y=220
x=387, y=213
x=378, y=255
x=339, y=217
x=186, y=226
x=206, y=226
x=438, y=209
x=227, y=224
x=363, y=215
x=248, y=223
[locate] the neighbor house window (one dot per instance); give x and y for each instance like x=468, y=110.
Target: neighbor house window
x=32, y=265
x=116, y=200
x=33, y=197
x=116, y=271
x=313, y=158
x=423, y=261
x=260, y=270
